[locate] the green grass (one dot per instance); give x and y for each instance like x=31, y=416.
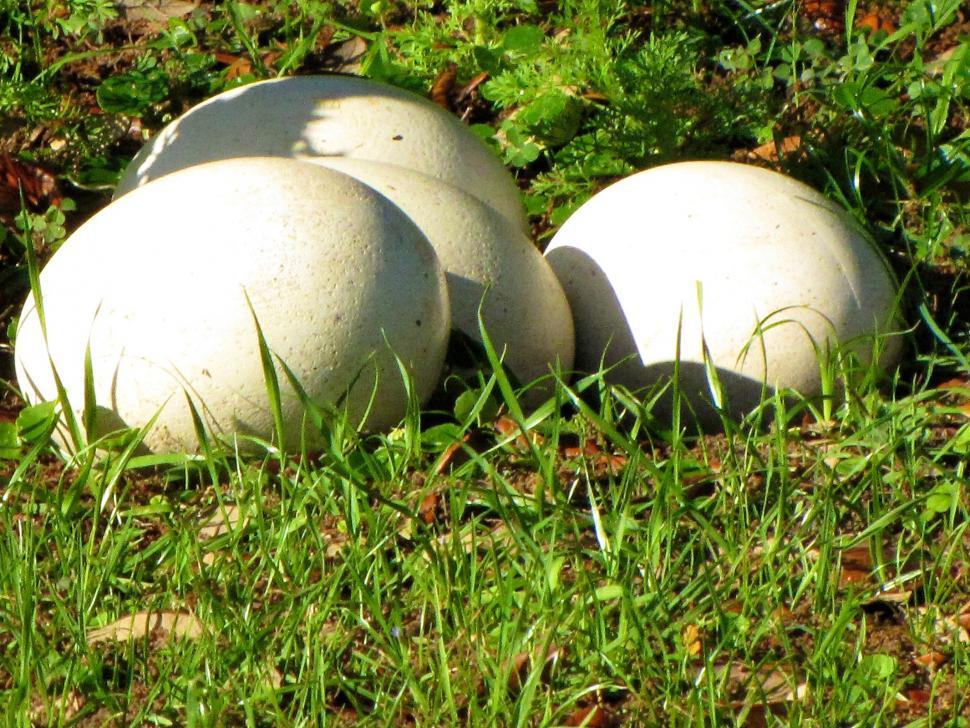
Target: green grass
x=809, y=572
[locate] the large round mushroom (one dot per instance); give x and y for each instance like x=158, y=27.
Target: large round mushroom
x=166, y=284
x=739, y=271
x=484, y=257
x=315, y=117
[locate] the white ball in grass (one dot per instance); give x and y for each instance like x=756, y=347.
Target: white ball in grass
x=757, y=267
x=159, y=285
x=525, y=311
x=313, y=118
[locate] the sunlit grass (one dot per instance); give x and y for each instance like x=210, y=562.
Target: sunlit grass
x=492, y=563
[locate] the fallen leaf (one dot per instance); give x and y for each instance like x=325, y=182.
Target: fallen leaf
x=428, y=508
x=952, y=629
x=38, y=185
x=221, y=521
x=764, y=685
x=891, y=597
x=274, y=679
x=869, y=21
x=469, y=88
x=520, y=670
x=874, y=21
x=931, y=660
x=154, y=13
x=958, y=391
x=955, y=383
x=507, y=427
x=444, y=86
x=147, y=624
x=690, y=636
x=471, y=537
x=937, y=66
x=61, y=708
x=236, y=66
x=772, y=151
x=592, y=716
x=600, y=460
x=522, y=666
x=964, y=620
x=346, y=56
x=920, y=697
x=825, y=16
x=452, y=453
x=856, y=563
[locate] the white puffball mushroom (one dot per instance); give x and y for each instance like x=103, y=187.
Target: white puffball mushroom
x=525, y=310
x=315, y=117
x=159, y=284
x=755, y=265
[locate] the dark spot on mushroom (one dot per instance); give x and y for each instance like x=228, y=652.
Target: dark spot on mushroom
x=397, y=137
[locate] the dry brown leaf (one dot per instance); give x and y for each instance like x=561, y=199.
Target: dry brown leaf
x=346, y=56
x=428, y=508
x=38, y=185
x=469, y=88
x=825, y=16
x=520, y=671
x=952, y=629
x=147, y=624
x=891, y=596
x=690, y=635
x=955, y=383
x=498, y=537
x=875, y=20
x=592, y=716
x=920, y=697
x=236, y=66
x=62, y=708
x=772, y=151
x=453, y=455
x=931, y=660
x=935, y=67
x=522, y=666
x=600, y=460
x=221, y=521
x=336, y=540
x=274, y=679
x=869, y=21
x=155, y=13
x=596, y=97
x=964, y=619
x=766, y=684
x=444, y=86
x=507, y=427
x=858, y=570
x=857, y=566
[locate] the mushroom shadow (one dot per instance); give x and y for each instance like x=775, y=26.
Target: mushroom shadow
x=604, y=341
